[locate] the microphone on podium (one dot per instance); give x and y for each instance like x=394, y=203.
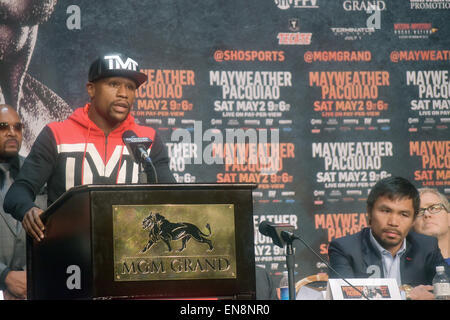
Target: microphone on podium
x=138, y=146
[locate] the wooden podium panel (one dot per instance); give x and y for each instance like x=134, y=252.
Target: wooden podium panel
x=146, y=241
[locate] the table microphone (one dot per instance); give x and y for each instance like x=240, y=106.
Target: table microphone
x=281, y=233
x=273, y=230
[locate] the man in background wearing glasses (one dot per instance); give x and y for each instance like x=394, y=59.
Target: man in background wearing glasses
x=12, y=235
x=434, y=218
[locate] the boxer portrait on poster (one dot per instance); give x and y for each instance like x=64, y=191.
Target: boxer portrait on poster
x=35, y=103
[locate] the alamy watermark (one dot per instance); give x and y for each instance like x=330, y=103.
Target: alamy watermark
x=249, y=147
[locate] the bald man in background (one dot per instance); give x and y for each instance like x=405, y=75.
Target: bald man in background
x=35, y=103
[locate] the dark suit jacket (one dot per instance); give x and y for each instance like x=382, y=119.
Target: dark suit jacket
x=12, y=235
x=265, y=289
x=352, y=255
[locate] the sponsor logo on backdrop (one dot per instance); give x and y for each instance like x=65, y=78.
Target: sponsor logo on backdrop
x=414, y=30
x=373, y=21
x=337, y=56
x=352, y=33
x=429, y=4
x=254, y=122
x=283, y=4
x=154, y=121
x=363, y=5
x=294, y=24
x=257, y=194
x=420, y=55
x=295, y=37
x=249, y=55
x=297, y=4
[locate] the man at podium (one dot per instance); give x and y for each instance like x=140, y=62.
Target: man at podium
x=94, y=145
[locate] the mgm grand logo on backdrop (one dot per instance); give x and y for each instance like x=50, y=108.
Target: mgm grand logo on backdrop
x=174, y=242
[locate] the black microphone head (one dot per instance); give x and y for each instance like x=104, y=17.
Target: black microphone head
x=264, y=227
x=273, y=230
x=130, y=138
x=128, y=134
x=137, y=146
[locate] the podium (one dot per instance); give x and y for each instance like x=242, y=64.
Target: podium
x=158, y=241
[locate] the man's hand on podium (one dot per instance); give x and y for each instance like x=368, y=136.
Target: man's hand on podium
x=16, y=284
x=32, y=223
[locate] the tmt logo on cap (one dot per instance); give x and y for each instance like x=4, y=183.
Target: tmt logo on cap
x=115, y=63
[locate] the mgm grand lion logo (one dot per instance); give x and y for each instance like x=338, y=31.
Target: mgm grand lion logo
x=155, y=242
x=161, y=229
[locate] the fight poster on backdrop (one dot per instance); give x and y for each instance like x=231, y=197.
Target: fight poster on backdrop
x=312, y=100
x=432, y=162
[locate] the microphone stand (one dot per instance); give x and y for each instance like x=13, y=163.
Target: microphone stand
x=150, y=171
x=290, y=263
x=147, y=171
x=289, y=237
x=142, y=175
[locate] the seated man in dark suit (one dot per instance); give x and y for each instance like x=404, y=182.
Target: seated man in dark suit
x=265, y=289
x=388, y=249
